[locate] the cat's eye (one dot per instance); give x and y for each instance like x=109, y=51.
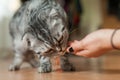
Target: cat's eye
x=55, y=16
x=49, y=51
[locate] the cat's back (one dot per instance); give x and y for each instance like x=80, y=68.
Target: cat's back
x=17, y=19
x=20, y=20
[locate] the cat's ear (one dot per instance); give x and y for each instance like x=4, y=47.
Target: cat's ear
x=57, y=21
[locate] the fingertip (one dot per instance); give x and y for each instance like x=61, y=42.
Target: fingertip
x=67, y=49
x=70, y=49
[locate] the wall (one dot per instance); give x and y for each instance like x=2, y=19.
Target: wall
x=92, y=16
x=7, y=9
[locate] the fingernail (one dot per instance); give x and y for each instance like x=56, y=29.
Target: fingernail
x=71, y=49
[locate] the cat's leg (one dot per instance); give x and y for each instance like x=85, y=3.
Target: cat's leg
x=45, y=65
x=18, y=60
x=65, y=64
x=32, y=59
x=18, y=56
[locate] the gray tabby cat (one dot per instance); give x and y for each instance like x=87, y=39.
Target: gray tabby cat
x=39, y=27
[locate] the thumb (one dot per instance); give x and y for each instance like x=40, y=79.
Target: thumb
x=75, y=46
x=84, y=53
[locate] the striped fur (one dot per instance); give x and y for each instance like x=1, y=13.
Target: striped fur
x=39, y=26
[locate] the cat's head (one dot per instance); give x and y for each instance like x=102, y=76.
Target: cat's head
x=57, y=44
x=48, y=32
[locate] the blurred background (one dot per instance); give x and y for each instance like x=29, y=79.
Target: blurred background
x=85, y=16
x=7, y=9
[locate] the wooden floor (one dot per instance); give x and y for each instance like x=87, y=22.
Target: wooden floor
x=110, y=70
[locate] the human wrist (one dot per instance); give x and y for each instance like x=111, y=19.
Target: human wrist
x=105, y=39
x=115, y=41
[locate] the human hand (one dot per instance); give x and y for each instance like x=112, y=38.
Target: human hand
x=93, y=45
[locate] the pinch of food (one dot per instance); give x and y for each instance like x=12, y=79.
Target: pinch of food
x=56, y=63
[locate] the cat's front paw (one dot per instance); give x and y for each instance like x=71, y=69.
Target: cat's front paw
x=68, y=67
x=13, y=68
x=45, y=68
